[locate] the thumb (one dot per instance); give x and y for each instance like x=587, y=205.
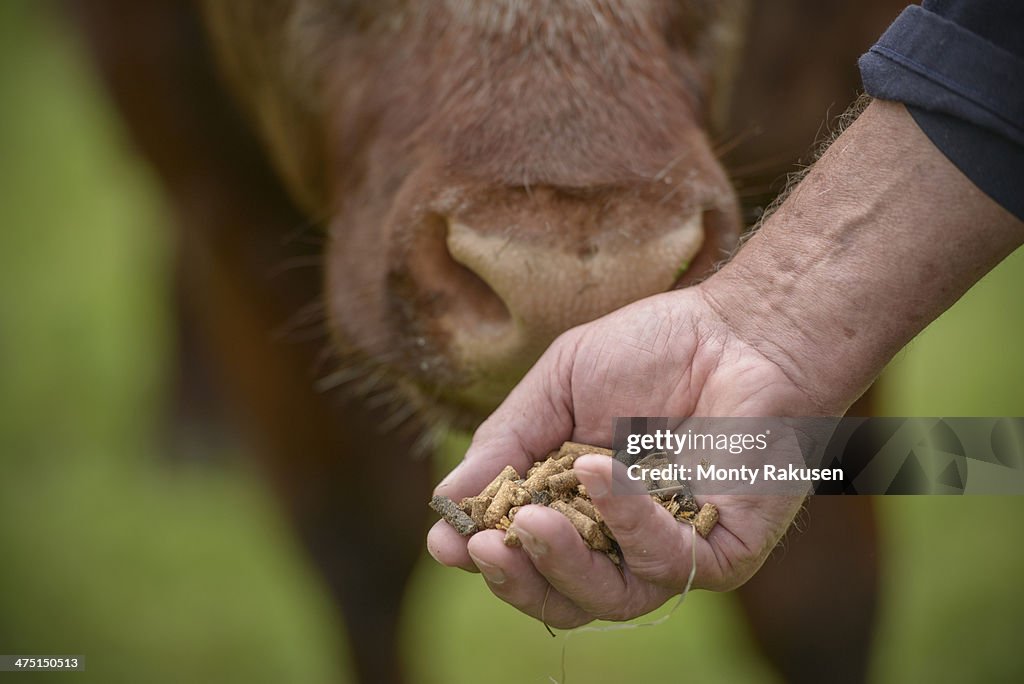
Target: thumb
x=536, y=417
x=652, y=541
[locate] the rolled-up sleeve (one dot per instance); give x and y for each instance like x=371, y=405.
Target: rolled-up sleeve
x=958, y=66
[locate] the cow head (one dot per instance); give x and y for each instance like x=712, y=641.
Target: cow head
x=489, y=174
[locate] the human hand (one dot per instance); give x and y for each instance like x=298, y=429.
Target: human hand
x=668, y=355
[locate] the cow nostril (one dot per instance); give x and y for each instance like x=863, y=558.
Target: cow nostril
x=468, y=300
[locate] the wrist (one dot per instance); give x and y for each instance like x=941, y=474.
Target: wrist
x=766, y=326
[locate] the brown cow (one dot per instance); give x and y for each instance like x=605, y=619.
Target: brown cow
x=463, y=181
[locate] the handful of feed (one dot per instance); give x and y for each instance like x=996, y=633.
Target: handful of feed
x=553, y=483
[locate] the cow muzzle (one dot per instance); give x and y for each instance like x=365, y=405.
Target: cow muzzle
x=496, y=281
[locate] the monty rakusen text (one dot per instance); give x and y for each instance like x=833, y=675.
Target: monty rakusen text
x=668, y=442
x=750, y=475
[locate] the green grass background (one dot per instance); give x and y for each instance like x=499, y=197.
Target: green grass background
x=182, y=572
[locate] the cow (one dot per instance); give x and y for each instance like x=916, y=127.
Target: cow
x=387, y=209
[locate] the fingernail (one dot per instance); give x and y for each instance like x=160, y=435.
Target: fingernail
x=534, y=546
x=492, y=573
x=598, y=485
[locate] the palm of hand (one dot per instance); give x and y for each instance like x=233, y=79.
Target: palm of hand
x=668, y=355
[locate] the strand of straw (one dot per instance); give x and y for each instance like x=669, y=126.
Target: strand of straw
x=632, y=625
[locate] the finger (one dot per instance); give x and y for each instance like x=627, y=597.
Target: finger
x=448, y=547
x=655, y=546
x=535, y=418
x=512, y=577
x=587, y=578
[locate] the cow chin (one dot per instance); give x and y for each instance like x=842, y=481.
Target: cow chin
x=414, y=378
x=461, y=397
x=463, y=408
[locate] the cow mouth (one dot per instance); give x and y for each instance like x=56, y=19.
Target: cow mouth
x=438, y=405
x=410, y=363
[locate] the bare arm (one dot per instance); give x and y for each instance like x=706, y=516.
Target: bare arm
x=882, y=236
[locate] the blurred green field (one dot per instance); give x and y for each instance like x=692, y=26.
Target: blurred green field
x=164, y=571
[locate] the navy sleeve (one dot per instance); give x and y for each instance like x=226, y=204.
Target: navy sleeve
x=958, y=66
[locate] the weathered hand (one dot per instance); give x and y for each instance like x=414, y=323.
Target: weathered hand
x=668, y=355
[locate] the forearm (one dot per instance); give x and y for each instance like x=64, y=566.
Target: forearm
x=880, y=238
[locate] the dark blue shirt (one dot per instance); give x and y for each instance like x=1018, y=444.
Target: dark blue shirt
x=958, y=66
